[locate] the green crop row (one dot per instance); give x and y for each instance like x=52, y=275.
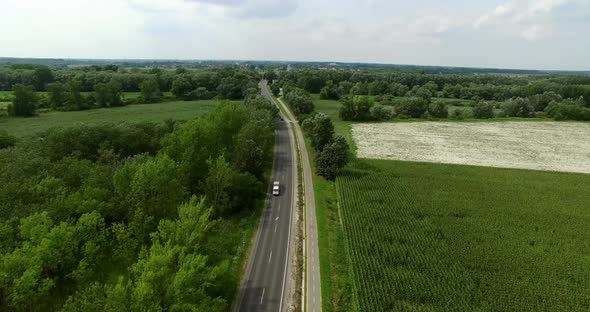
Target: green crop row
x=432, y=237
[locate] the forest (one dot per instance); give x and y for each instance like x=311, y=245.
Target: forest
x=37, y=88
x=388, y=94
x=133, y=216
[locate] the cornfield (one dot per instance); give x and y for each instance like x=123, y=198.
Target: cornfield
x=431, y=237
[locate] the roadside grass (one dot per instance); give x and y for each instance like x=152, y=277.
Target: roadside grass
x=335, y=266
x=464, y=238
x=179, y=110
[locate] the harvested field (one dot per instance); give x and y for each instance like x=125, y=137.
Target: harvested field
x=552, y=146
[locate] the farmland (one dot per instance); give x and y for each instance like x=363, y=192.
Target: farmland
x=555, y=146
x=446, y=237
x=181, y=110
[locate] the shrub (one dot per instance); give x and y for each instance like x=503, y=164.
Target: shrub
x=568, y=110
x=380, y=112
x=6, y=140
x=518, y=107
x=438, y=110
x=413, y=107
x=483, y=110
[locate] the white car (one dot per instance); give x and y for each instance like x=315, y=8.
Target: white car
x=276, y=190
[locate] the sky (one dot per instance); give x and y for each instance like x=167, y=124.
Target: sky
x=527, y=34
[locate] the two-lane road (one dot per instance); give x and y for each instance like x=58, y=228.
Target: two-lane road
x=265, y=285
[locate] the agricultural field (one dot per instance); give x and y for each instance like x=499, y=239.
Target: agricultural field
x=554, y=146
x=180, y=110
x=436, y=237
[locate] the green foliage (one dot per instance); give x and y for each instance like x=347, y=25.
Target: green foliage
x=41, y=76
x=108, y=94
x=438, y=110
x=518, y=107
x=6, y=140
x=436, y=227
x=381, y=112
x=356, y=107
x=568, y=110
x=412, y=107
x=330, y=92
x=150, y=91
x=56, y=95
x=299, y=101
x=89, y=218
x=25, y=101
x=320, y=129
x=181, y=87
x=483, y=110
x=333, y=157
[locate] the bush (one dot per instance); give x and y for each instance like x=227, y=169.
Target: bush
x=6, y=140
x=568, y=110
x=300, y=101
x=25, y=101
x=518, y=107
x=483, y=110
x=380, y=112
x=356, y=107
x=438, y=110
x=412, y=107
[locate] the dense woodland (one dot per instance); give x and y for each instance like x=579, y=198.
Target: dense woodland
x=132, y=217
x=67, y=89
x=382, y=94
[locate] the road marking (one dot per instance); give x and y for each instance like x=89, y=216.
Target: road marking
x=262, y=298
x=270, y=256
x=276, y=224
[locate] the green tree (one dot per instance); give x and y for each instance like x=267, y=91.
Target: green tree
x=438, y=110
x=57, y=95
x=483, y=110
x=150, y=91
x=332, y=158
x=181, y=87
x=518, y=107
x=320, y=130
x=300, y=101
x=74, y=98
x=25, y=101
x=41, y=76
x=356, y=107
x=412, y=107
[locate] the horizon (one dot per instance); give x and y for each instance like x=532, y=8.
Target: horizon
x=188, y=60
x=523, y=34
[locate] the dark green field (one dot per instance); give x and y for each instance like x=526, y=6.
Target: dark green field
x=433, y=237
x=180, y=110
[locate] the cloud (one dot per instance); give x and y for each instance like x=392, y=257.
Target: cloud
x=254, y=8
x=500, y=11
x=531, y=19
x=534, y=33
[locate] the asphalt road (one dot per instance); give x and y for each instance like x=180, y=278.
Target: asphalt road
x=265, y=285
x=313, y=289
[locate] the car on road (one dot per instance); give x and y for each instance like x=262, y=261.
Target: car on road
x=276, y=190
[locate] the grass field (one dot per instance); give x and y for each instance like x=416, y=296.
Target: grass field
x=432, y=237
x=180, y=110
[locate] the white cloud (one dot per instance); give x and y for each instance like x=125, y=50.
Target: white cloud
x=534, y=33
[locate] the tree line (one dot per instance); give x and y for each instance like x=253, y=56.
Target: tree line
x=79, y=89
x=380, y=96
x=132, y=217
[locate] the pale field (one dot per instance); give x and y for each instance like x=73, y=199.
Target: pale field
x=550, y=146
